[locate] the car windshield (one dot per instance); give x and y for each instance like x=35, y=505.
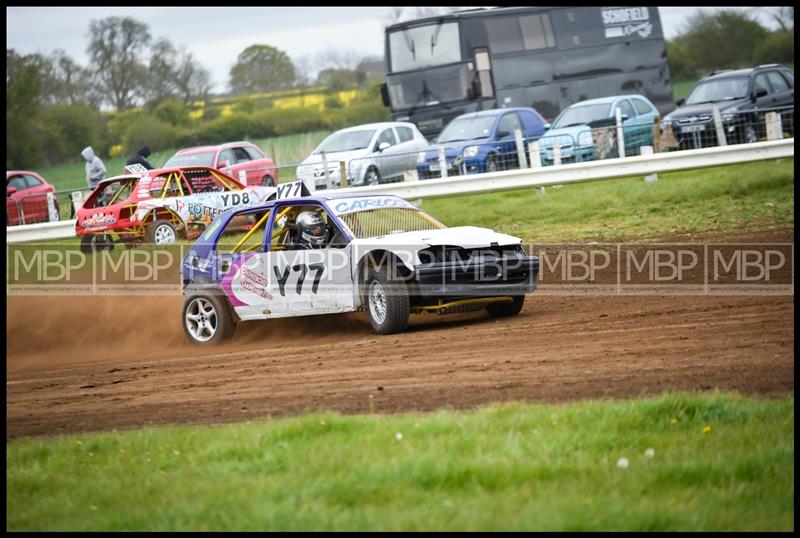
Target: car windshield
x=346, y=141
x=582, y=114
x=202, y=158
x=723, y=89
x=467, y=129
x=390, y=220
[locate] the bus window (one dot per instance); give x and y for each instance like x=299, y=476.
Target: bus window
x=537, y=32
x=504, y=35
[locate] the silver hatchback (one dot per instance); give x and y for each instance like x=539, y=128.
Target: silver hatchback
x=372, y=153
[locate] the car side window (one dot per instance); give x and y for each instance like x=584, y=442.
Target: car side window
x=285, y=236
x=244, y=232
x=227, y=156
x=626, y=109
x=253, y=152
x=404, y=134
x=241, y=155
x=18, y=182
x=386, y=136
x=32, y=181
x=509, y=123
x=642, y=107
x=762, y=83
x=777, y=81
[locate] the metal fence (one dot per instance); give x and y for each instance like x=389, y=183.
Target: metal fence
x=612, y=139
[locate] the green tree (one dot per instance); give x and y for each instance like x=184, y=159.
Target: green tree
x=116, y=47
x=24, y=82
x=725, y=39
x=261, y=68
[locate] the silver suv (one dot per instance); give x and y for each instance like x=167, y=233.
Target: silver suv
x=372, y=153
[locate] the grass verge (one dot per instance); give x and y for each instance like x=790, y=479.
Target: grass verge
x=736, y=198
x=721, y=462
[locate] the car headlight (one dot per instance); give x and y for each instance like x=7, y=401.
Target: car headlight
x=421, y=157
x=470, y=151
x=585, y=138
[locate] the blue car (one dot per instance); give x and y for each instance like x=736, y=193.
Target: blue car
x=578, y=131
x=480, y=142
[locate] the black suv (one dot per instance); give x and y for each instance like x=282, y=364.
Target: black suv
x=743, y=96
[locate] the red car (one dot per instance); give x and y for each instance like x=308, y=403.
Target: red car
x=241, y=160
x=26, y=198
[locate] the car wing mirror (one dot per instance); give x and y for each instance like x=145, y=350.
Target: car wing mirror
x=384, y=145
x=502, y=134
x=222, y=164
x=10, y=190
x=680, y=101
x=761, y=92
x=547, y=125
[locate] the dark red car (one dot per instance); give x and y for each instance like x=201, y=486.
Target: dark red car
x=243, y=161
x=26, y=198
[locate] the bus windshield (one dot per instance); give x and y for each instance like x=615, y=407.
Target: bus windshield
x=429, y=87
x=424, y=46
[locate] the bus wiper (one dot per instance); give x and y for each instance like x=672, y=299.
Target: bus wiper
x=435, y=36
x=409, y=44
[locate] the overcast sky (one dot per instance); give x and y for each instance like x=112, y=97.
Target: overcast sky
x=216, y=35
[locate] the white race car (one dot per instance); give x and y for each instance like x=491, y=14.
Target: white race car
x=329, y=254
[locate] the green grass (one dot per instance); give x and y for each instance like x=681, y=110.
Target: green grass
x=730, y=199
x=503, y=467
x=680, y=90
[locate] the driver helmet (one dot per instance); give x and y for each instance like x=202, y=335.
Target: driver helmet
x=312, y=227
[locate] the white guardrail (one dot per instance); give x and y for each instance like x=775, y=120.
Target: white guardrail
x=512, y=179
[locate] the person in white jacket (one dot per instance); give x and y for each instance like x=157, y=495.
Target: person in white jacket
x=95, y=169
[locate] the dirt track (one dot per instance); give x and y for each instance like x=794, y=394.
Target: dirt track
x=66, y=375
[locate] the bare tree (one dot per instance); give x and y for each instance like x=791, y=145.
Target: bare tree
x=340, y=59
x=192, y=80
x=116, y=46
x=304, y=70
x=784, y=16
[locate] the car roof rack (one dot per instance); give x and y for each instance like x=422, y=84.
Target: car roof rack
x=767, y=65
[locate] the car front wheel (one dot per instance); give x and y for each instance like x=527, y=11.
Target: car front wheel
x=95, y=243
x=387, y=301
x=207, y=319
x=372, y=177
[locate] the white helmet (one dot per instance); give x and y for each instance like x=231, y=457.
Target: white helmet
x=311, y=226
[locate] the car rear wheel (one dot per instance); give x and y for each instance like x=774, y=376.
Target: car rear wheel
x=387, y=301
x=501, y=310
x=160, y=232
x=207, y=319
x=96, y=243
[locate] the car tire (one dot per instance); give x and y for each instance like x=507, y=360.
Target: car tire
x=96, y=243
x=502, y=310
x=207, y=319
x=268, y=181
x=750, y=134
x=372, y=177
x=386, y=300
x=491, y=164
x=160, y=232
